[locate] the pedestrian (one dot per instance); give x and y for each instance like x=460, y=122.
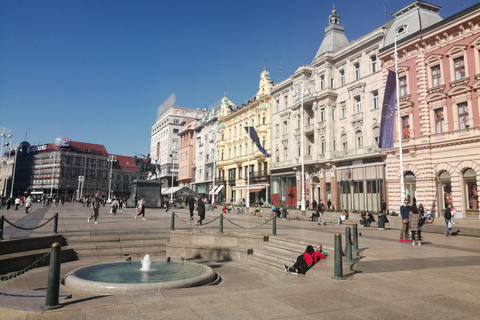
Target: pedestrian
x=307, y=204
x=384, y=206
x=28, y=204
x=404, y=214
x=314, y=204
x=414, y=221
x=95, y=204
x=191, y=206
x=453, y=211
x=329, y=203
x=201, y=211
x=114, y=206
x=320, y=211
x=141, y=208
x=448, y=217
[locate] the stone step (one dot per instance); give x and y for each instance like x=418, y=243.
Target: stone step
x=155, y=254
x=19, y=260
x=116, y=237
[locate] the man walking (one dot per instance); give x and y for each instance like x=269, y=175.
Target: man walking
x=320, y=211
x=405, y=214
x=95, y=204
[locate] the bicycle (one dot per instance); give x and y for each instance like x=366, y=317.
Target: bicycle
x=428, y=217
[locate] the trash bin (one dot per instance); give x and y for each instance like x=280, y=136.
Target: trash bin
x=284, y=213
x=381, y=221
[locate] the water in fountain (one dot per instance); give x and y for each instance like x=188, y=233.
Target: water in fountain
x=146, y=262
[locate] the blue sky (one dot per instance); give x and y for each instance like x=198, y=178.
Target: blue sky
x=96, y=71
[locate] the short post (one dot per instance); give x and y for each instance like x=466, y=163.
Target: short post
x=338, y=264
x=1, y=226
x=348, y=240
x=220, y=225
x=53, y=284
x=355, y=236
x=55, y=223
x=172, y=221
x=274, y=225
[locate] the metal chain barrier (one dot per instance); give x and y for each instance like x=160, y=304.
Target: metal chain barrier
x=33, y=228
x=26, y=269
x=235, y=224
x=248, y=227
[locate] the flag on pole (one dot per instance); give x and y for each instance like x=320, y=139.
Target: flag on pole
x=388, y=112
x=256, y=140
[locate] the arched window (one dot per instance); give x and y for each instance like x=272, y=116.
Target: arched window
x=471, y=191
x=376, y=135
x=359, y=139
x=344, y=142
x=445, y=189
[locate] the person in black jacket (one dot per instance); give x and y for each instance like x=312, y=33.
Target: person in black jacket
x=201, y=211
x=448, y=216
x=404, y=214
x=191, y=206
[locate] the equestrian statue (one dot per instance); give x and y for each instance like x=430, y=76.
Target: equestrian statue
x=146, y=166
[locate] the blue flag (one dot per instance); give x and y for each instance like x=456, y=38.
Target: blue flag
x=256, y=140
x=388, y=112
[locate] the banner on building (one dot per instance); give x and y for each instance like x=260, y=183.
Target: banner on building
x=388, y=112
x=253, y=134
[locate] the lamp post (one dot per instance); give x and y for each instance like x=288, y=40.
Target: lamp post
x=174, y=151
x=214, y=141
x=14, y=167
x=299, y=93
x=111, y=158
x=53, y=168
x=3, y=135
x=400, y=32
x=5, y=191
x=248, y=159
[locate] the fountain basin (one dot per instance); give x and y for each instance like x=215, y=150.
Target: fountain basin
x=126, y=277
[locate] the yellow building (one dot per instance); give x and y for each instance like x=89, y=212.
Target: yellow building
x=241, y=166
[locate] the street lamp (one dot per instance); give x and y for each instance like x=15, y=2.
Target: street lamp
x=174, y=151
x=14, y=167
x=299, y=93
x=111, y=158
x=214, y=141
x=400, y=32
x=3, y=135
x=53, y=168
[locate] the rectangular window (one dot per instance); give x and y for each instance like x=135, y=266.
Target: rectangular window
x=463, y=116
x=343, y=111
x=299, y=125
x=285, y=127
x=324, y=146
x=358, y=104
x=175, y=131
x=436, y=77
x=403, y=86
x=322, y=82
x=406, y=127
x=277, y=105
x=277, y=131
x=322, y=115
x=375, y=100
x=439, y=120
x=231, y=174
x=373, y=64
x=342, y=77
x=356, y=68
x=459, y=65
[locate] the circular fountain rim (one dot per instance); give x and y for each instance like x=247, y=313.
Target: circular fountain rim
x=74, y=282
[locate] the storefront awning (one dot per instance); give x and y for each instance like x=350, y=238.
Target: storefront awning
x=253, y=187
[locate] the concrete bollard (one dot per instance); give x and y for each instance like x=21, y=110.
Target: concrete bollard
x=53, y=283
x=55, y=223
x=348, y=241
x=220, y=225
x=274, y=225
x=172, y=221
x=338, y=264
x=355, y=236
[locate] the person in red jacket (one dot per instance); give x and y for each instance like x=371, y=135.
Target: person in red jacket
x=306, y=260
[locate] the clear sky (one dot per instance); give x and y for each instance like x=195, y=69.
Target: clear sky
x=96, y=70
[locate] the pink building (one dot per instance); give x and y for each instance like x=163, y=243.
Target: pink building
x=439, y=81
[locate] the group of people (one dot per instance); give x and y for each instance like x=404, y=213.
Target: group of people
x=307, y=260
x=317, y=214
x=412, y=221
x=366, y=218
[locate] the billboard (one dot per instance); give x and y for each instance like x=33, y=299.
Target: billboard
x=62, y=142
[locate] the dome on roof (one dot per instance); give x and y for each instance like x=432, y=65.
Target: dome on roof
x=24, y=145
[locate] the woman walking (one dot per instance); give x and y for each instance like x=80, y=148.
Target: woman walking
x=141, y=208
x=201, y=211
x=414, y=220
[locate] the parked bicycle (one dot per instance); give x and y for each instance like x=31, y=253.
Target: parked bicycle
x=428, y=217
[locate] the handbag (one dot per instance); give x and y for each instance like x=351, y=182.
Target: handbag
x=449, y=225
x=139, y=209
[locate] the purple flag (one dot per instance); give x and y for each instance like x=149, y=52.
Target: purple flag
x=388, y=112
x=253, y=134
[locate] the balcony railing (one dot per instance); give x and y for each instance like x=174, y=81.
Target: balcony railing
x=355, y=152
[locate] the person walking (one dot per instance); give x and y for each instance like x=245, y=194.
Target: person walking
x=320, y=211
x=114, y=205
x=141, y=208
x=201, y=211
x=405, y=215
x=414, y=221
x=17, y=203
x=191, y=206
x=95, y=204
x=28, y=204
x=448, y=217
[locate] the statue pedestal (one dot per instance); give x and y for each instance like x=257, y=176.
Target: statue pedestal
x=150, y=189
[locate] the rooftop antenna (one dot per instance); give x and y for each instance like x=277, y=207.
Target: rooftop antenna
x=385, y=8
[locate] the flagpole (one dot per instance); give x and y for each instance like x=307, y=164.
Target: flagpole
x=248, y=161
x=399, y=125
